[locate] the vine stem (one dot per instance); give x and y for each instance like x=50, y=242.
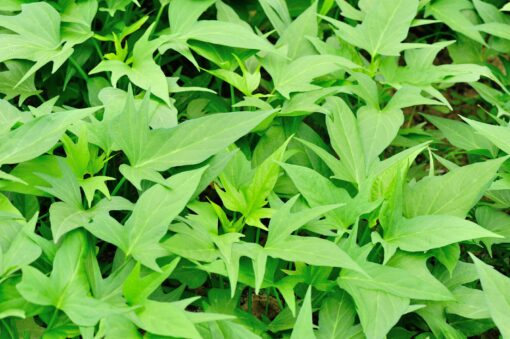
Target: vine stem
x=119, y=185
x=79, y=69
x=53, y=318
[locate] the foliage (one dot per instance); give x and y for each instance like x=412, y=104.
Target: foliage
x=255, y=169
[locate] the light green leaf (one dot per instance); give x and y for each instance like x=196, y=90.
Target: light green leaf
x=296, y=34
x=183, y=14
x=67, y=288
x=36, y=37
x=378, y=311
x=345, y=137
x=377, y=129
x=220, y=32
x=498, y=135
x=297, y=75
x=498, y=29
x=38, y=135
x=10, y=81
x=459, y=134
x=312, y=251
x=336, y=317
x=452, y=13
x=165, y=319
x=397, y=281
x=143, y=71
x=495, y=221
x=469, y=303
x=304, y=323
x=154, y=211
x=137, y=289
x=196, y=140
x=384, y=27
x=283, y=222
x=496, y=288
x=454, y=193
x=426, y=232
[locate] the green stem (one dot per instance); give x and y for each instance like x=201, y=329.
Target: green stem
x=98, y=48
x=257, y=236
x=105, y=168
x=53, y=318
x=79, y=69
x=8, y=329
x=232, y=97
x=158, y=17
x=266, y=309
x=277, y=296
x=119, y=185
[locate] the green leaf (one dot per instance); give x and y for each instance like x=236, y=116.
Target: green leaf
x=377, y=130
x=384, y=27
x=36, y=37
x=297, y=75
x=396, y=281
x=426, y=232
x=296, y=35
x=312, y=251
x=378, y=311
x=166, y=319
x=183, y=14
x=454, y=193
x=38, y=135
x=67, y=288
x=137, y=289
x=319, y=191
x=65, y=218
x=496, y=289
x=196, y=140
x=283, y=223
x=304, y=324
x=498, y=135
x=154, y=211
x=459, y=134
x=10, y=84
x=220, y=32
x=20, y=250
x=336, y=316
x=495, y=221
x=143, y=70
x=452, y=13
x=345, y=137
x=469, y=303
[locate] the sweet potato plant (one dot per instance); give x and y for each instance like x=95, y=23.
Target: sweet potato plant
x=254, y=169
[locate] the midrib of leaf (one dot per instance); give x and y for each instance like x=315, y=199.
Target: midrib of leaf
x=139, y=234
x=75, y=213
x=386, y=27
x=77, y=268
x=197, y=141
x=373, y=141
x=381, y=283
x=303, y=72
